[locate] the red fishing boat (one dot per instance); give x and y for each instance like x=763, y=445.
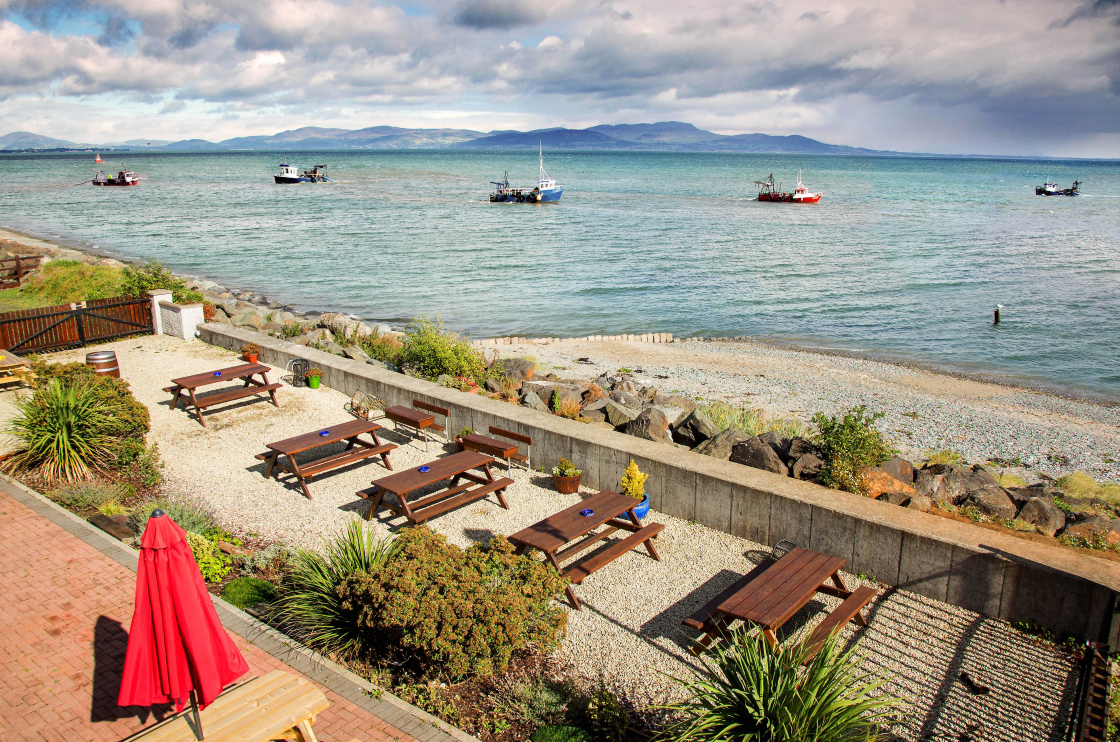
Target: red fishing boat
x=768, y=190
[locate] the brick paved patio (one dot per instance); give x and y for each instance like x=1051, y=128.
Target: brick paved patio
x=63, y=633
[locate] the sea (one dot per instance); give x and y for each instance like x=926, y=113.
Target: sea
x=904, y=258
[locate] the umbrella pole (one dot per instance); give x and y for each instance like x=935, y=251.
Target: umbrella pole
x=197, y=716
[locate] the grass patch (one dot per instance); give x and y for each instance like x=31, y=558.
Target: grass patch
x=752, y=421
x=1080, y=484
x=942, y=457
x=63, y=282
x=1011, y=480
x=246, y=592
x=86, y=497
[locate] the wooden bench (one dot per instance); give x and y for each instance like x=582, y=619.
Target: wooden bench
x=579, y=572
x=847, y=611
x=502, y=450
x=418, y=421
x=278, y=705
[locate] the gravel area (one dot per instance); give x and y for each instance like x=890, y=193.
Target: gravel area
x=630, y=630
x=925, y=411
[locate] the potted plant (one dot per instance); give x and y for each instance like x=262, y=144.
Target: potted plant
x=459, y=438
x=249, y=352
x=565, y=477
x=313, y=376
x=634, y=485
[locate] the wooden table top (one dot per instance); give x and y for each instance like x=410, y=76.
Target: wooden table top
x=415, y=417
x=492, y=446
x=783, y=589
x=556, y=530
x=216, y=377
x=408, y=480
x=314, y=439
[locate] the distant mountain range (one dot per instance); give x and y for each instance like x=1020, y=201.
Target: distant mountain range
x=667, y=135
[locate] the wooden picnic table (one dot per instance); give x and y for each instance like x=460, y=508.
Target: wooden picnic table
x=774, y=591
x=420, y=419
x=455, y=467
x=245, y=372
x=555, y=531
x=356, y=450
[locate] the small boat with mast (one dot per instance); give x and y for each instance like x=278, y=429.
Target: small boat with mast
x=547, y=190
x=1052, y=189
x=123, y=178
x=291, y=174
x=768, y=190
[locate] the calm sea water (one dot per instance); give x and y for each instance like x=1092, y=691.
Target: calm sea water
x=903, y=258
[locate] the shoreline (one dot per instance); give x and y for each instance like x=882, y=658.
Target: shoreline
x=1038, y=386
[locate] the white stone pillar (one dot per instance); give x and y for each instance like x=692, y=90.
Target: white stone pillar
x=158, y=297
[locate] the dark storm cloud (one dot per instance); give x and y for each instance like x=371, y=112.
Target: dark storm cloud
x=500, y=14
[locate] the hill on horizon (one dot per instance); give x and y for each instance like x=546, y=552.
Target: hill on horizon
x=665, y=135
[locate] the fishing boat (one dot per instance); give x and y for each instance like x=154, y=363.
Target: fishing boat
x=1052, y=189
x=768, y=190
x=97, y=157
x=123, y=178
x=547, y=190
x=292, y=174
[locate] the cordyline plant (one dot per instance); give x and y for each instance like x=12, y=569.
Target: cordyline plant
x=65, y=432
x=751, y=692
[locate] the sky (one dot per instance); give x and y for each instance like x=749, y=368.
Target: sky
x=1017, y=77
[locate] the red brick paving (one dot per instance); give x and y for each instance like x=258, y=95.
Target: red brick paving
x=63, y=638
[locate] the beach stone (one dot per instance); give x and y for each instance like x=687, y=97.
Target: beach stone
x=380, y=364
x=315, y=336
x=626, y=399
x=694, y=429
x=625, y=385
x=807, y=466
x=334, y=348
x=530, y=399
x=595, y=415
x=248, y=319
x=356, y=353
x=489, y=355
x=598, y=404
x=677, y=400
x=879, y=483
x=273, y=327
x=940, y=484
x=780, y=445
x=1044, y=514
x=651, y=425
x=672, y=414
x=900, y=469
x=516, y=370
x=759, y=454
x=979, y=478
x=619, y=415
x=720, y=446
x=992, y=501
x=493, y=385
x=798, y=447
x=604, y=382
x=919, y=503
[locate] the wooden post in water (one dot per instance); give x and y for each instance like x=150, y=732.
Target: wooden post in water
x=998, y=307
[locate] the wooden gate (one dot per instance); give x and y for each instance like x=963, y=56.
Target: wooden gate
x=71, y=325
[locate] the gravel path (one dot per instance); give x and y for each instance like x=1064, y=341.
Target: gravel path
x=630, y=630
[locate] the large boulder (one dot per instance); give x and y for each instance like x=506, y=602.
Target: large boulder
x=719, y=446
x=807, y=466
x=356, y=353
x=941, y=484
x=992, y=501
x=677, y=400
x=344, y=325
x=1042, y=513
x=493, y=385
x=980, y=477
x=334, y=348
x=1022, y=494
x=883, y=486
x=761, y=455
x=900, y=469
x=315, y=336
x=529, y=399
x=248, y=319
x=673, y=414
x=919, y=503
x=619, y=415
x=651, y=424
x=626, y=399
x=694, y=429
x=798, y=447
x=517, y=370
x=596, y=415
x=780, y=445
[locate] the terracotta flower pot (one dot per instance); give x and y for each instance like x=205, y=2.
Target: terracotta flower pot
x=250, y=357
x=566, y=485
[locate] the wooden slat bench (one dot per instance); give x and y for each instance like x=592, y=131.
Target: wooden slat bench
x=420, y=422
x=847, y=611
x=585, y=569
x=278, y=705
x=500, y=449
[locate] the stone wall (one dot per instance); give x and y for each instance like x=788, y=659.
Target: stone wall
x=963, y=564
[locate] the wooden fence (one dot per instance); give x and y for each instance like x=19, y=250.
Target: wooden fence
x=12, y=270
x=71, y=325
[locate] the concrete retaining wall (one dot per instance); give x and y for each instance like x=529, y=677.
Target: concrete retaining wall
x=963, y=564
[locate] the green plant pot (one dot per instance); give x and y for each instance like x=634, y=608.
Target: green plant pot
x=313, y=381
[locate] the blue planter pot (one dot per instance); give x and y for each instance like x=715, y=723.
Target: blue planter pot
x=640, y=510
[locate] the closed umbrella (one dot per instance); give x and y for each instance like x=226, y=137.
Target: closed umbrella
x=177, y=647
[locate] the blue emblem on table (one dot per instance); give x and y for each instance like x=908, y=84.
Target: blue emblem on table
x=587, y=513
x=424, y=469
x=324, y=433
x=217, y=373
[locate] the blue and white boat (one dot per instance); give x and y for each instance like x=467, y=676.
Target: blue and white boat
x=547, y=190
x=291, y=174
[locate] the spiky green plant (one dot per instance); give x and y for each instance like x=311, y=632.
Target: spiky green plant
x=750, y=692
x=310, y=607
x=65, y=432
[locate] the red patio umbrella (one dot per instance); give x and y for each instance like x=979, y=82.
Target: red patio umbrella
x=176, y=644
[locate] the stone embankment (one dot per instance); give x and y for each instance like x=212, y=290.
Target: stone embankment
x=649, y=337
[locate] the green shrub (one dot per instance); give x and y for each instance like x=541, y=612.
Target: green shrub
x=534, y=700
x=556, y=733
x=464, y=611
x=138, y=281
x=601, y=715
x=85, y=497
x=130, y=418
x=310, y=606
x=212, y=562
x=272, y=564
x=431, y=350
x=246, y=592
x=191, y=514
x=849, y=443
x=751, y=691
x=64, y=432
x=384, y=348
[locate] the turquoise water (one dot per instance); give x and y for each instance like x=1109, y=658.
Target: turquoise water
x=904, y=257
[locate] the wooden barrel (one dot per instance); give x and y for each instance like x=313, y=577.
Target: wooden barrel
x=104, y=362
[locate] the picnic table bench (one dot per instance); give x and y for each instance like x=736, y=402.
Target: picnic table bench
x=499, y=449
x=555, y=531
x=184, y=388
x=278, y=705
x=420, y=419
x=356, y=450
x=454, y=468
x=775, y=590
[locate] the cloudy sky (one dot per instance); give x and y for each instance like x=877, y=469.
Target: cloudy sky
x=968, y=76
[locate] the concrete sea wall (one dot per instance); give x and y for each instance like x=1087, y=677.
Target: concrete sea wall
x=963, y=564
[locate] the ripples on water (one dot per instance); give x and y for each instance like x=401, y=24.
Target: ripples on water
x=904, y=257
